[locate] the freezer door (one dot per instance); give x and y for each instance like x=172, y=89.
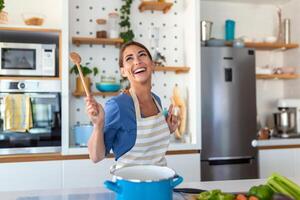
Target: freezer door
x=230, y=168
x=228, y=98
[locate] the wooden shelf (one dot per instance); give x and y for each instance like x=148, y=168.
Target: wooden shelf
x=28, y=28
x=277, y=76
x=79, y=94
x=28, y=78
x=267, y=45
x=270, y=46
x=259, y=2
x=88, y=40
x=154, y=5
x=177, y=70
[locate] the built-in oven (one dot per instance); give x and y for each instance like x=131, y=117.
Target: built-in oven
x=30, y=117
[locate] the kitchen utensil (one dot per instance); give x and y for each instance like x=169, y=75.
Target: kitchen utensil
x=76, y=59
x=206, y=27
x=285, y=120
x=145, y=182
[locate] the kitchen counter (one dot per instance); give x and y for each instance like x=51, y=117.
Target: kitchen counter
x=277, y=143
x=100, y=193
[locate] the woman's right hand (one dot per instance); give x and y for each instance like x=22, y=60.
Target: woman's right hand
x=95, y=111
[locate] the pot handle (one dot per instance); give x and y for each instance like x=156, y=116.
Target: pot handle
x=112, y=186
x=176, y=181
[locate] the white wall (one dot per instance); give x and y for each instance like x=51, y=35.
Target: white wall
x=252, y=20
x=52, y=9
x=255, y=21
x=292, y=58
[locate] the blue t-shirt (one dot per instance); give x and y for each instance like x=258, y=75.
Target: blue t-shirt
x=120, y=124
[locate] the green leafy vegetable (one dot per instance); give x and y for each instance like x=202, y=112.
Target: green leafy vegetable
x=215, y=195
x=262, y=192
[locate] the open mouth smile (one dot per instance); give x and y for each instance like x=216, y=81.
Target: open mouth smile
x=139, y=70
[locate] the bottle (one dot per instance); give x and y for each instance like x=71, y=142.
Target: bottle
x=113, y=25
x=229, y=30
x=287, y=31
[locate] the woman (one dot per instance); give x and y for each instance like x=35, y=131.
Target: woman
x=132, y=123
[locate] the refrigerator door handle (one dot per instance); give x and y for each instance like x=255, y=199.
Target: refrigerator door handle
x=230, y=160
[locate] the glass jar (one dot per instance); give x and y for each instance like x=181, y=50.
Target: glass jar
x=113, y=25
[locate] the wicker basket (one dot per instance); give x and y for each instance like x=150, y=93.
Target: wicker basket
x=33, y=19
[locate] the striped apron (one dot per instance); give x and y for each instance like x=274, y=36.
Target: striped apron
x=152, y=139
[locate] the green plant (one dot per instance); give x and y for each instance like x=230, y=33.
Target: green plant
x=126, y=31
x=2, y=6
x=86, y=70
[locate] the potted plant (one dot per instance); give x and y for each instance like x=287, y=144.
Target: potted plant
x=3, y=14
x=86, y=70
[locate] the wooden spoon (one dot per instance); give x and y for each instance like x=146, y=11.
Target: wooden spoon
x=75, y=58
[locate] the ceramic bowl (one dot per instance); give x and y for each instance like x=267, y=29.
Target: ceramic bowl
x=108, y=87
x=215, y=42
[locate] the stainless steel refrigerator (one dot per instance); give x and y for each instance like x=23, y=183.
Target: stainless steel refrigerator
x=228, y=101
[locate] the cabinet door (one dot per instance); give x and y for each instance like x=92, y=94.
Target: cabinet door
x=276, y=160
x=85, y=173
x=297, y=163
x=187, y=166
x=30, y=175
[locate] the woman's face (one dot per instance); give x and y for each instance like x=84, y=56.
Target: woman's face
x=137, y=65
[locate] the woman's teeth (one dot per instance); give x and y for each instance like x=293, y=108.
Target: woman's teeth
x=139, y=70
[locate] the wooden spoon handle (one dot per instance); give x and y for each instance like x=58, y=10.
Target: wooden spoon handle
x=87, y=92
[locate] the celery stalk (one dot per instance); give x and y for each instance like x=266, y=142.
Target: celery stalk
x=289, y=183
x=283, y=185
x=277, y=187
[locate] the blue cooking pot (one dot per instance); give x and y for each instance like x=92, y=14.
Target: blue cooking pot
x=145, y=182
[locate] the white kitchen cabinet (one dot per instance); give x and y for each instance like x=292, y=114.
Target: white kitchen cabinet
x=186, y=165
x=30, y=175
x=278, y=160
x=297, y=162
x=85, y=173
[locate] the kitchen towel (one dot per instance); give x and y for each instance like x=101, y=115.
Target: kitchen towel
x=17, y=113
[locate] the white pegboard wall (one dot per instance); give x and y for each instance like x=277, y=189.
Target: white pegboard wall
x=83, y=15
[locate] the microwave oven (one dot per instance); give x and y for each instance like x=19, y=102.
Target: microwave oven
x=27, y=59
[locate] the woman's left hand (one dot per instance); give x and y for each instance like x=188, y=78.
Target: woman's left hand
x=172, y=120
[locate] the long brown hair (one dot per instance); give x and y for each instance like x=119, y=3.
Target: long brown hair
x=127, y=44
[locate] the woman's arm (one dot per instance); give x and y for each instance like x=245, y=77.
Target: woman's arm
x=96, y=146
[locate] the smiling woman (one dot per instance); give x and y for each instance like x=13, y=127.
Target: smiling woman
x=132, y=124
